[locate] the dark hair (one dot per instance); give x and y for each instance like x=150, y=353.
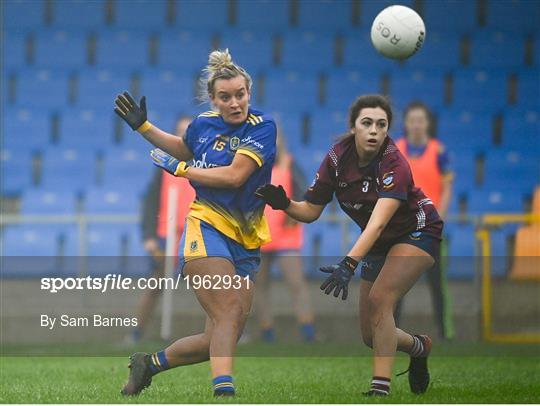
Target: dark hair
x=418, y=105
x=370, y=101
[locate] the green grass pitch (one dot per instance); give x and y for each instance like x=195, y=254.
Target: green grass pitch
x=479, y=374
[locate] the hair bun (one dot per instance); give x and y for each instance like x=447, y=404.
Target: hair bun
x=219, y=59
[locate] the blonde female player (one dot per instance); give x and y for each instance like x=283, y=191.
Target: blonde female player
x=230, y=153
x=401, y=233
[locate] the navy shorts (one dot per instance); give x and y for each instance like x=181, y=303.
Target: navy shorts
x=372, y=263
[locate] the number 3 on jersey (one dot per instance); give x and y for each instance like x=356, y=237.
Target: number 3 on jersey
x=365, y=186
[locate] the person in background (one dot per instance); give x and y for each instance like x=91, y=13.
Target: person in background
x=430, y=165
x=154, y=229
x=287, y=240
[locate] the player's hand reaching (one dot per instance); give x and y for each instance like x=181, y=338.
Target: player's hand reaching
x=169, y=163
x=274, y=196
x=133, y=114
x=340, y=277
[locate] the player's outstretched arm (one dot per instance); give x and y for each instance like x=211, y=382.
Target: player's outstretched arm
x=276, y=198
x=341, y=273
x=226, y=177
x=136, y=117
x=383, y=211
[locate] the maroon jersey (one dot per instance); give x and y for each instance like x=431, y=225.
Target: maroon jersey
x=358, y=189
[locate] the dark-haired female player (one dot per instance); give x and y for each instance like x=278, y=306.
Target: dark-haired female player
x=401, y=233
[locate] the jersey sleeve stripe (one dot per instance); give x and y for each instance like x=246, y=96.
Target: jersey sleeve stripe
x=252, y=155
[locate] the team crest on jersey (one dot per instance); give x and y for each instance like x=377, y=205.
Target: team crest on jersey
x=234, y=143
x=193, y=246
x=388, y=180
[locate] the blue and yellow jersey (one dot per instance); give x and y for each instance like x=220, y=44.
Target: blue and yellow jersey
x=237, y=213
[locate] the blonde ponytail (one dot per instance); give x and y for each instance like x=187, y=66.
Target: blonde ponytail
x=220, y=66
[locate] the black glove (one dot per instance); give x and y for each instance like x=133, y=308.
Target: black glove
x=274, y=196
x=128, y=110
x=340, y=278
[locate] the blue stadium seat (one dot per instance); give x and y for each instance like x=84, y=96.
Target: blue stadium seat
x=480, y=90
x=104, y=249
x=495, y=201
x=68, y=170
x=312, y=157
x=102, y=201
x=528, y=89
x=326, y=126
x=251, y=49
x=79, y=14
x=26, y=129
x=127, y=170
x=204, y=15
x=14, y=50
x=97, y=89
x=122, y=49
x=39, y=201
x=290, y=126
x=29, y=251
x=441, y=50
x=137, y=263
x=42, y=89
x=23, y=14
x=359, y=52
x=370, y=8
x=135, y=142
x=450, y=15
x=291, y=91
x=409, y=85
x=344, y=86
x=86, y=129
x=15, y=171
x=463, y=164
x=164, y=119
x=521, y=129
x=151, y=14
x=325, y=15
x=517, y=15
x=461, y=251
x=60, y=49
x=465, y=131
x=512, y=171
x=323, y=246
x=537, y=50
x=497, y=49
x=264, y=15
x=307, y=51
x=168, y=90
x=185, y=51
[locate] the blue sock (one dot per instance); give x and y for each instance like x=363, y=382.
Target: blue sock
x=223, y=385
x=158, y=362
x=308, y=332
x=268, y=335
